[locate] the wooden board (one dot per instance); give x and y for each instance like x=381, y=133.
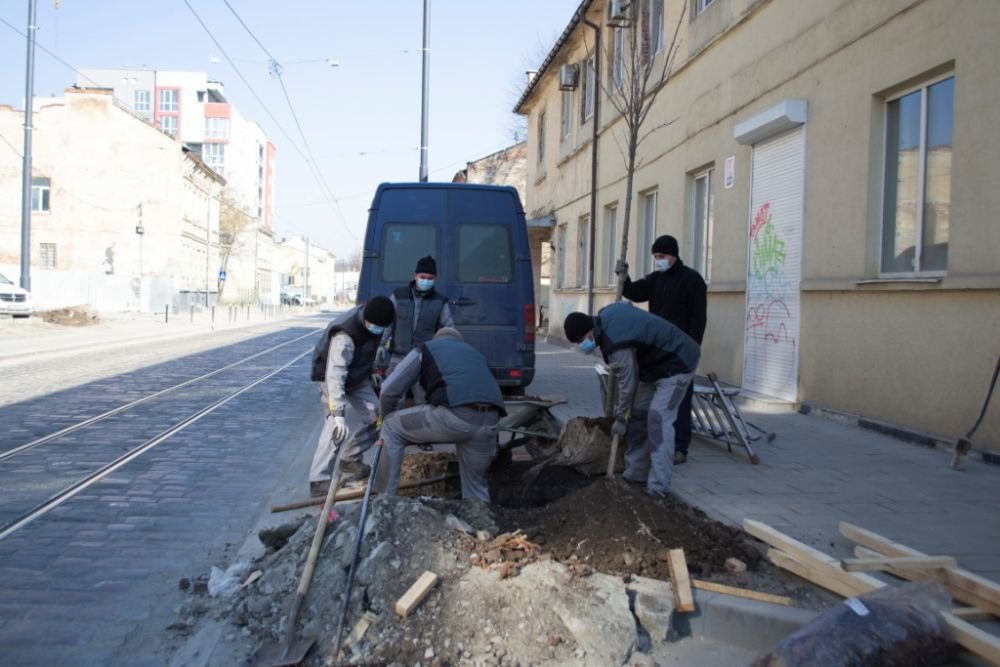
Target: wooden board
x=975, y=639
x=888, y=563
x=964, y=586
x=971, y=614
x=741, y=592
x=680, y=580
x=417, y=592
x=822, y=575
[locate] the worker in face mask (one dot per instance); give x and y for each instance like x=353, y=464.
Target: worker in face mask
x=678, y=294
x=653, y=363
x=421, y=310
x=342, y=363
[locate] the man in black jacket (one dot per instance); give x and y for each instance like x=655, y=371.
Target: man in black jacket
x=676, y=293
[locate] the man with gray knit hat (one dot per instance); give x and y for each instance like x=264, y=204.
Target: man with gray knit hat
x=678, y=294
x=420, y=311
x=342, y=363
x=653, y=362
x=463, y=407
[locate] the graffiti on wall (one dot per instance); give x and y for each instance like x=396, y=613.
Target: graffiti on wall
x=770, y=330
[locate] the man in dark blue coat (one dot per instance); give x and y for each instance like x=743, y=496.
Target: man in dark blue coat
x=653, y=362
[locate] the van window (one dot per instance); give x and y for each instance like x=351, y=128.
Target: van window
x=402, y=246
x=484, y=254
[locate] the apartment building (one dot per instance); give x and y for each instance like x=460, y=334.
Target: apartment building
x=824, y=165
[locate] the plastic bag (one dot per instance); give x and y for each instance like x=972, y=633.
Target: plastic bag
x=894, y=626
x=225, y=583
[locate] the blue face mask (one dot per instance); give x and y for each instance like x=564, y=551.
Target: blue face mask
x=661, y=264
x=374, y=329
x=587, y=345
x=423, y=284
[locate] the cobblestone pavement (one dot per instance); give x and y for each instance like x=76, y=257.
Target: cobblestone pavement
x=95, y=581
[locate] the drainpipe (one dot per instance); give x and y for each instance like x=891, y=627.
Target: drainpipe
x=593, y=163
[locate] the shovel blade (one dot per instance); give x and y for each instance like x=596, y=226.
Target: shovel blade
x=280, y=655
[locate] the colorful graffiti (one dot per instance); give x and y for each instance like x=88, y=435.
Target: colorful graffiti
x=770, y=322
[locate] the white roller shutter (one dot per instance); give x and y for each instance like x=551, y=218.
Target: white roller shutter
x=774, y=267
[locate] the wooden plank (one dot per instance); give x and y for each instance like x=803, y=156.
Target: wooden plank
x=823, y=575
x=977, y=640
x=971, y=614
x=887, y=563
x=811, y=557
x=417, y=592
x=964, y=586
x=680, y=580
x=742, y=592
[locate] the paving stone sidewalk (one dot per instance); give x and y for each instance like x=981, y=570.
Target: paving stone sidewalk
x=818, y=472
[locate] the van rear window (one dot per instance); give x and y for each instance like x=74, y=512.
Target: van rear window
x=484, y=254
x=402, y=246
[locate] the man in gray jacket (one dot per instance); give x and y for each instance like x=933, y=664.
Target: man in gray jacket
x=342, y=362
x=653, y=362
x=464, y=404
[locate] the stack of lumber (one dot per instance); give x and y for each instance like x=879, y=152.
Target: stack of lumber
x=877, y=553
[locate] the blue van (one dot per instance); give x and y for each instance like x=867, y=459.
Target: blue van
x=478, y=235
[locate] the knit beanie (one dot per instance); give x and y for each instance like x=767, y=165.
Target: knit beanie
x=426, y=265
x=448, y=332
x=576, y=326
x=379, y=311
x=666, y=245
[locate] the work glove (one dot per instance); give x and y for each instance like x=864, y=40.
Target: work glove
x=619, y=427
x=621, y=267
x=339, y=433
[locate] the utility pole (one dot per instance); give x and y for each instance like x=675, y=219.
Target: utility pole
x=29, y=92
x=208, y=245
x=425, y=94
x=139, y=230
x=305, y=279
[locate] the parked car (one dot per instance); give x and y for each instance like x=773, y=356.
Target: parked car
x=478, y=235
x=14, y=300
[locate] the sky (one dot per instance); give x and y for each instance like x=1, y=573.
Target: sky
x=360, y=120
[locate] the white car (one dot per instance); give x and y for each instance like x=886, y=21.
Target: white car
x=14, y=300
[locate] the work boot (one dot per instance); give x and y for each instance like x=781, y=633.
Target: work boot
x=354, y=470
x=679, y=458
x=319, y=489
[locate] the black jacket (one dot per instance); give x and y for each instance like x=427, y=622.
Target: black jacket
x=678, y=295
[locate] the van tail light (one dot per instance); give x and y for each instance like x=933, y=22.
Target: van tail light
x=529, y=323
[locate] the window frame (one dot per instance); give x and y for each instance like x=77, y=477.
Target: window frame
x=922, y=87
x=648, y=229
x=561, y=256
x=540, y=133
x=42, y=185
x=589, y=97
x=702, y=230
x=654, y=33
x=221, y=132
x=145, y=106
x=48, y=256
x=172, y=107
x=701, y=5
x=404, y=262
x=582, y=249
x=214, y=155
x=611, y=243
x=567, y=114
x=172, y=121
x=618, y=58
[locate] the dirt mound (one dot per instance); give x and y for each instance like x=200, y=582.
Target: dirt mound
x=72, y=316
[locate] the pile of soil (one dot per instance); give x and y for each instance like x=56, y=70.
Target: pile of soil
x=540, y=582
x=72, y=316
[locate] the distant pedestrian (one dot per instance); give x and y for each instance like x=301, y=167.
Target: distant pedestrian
x=653, y=362
x=343, y=362
x=678, y=294
x=463, y=407
x=420, y=311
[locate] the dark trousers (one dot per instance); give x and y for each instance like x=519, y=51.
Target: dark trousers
x=682, y=427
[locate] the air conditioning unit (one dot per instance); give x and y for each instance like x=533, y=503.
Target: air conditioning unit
x=618, y=12
x=568, y=77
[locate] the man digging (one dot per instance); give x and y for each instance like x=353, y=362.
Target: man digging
x=653, y=362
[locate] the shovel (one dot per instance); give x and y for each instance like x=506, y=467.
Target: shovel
x=292, y=651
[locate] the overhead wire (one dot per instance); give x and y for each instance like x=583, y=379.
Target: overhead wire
x=54, y=56
x=275, y=68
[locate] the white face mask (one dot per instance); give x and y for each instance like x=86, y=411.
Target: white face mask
x=661, y=264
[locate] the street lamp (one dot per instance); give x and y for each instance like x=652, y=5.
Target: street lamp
x=139, y=230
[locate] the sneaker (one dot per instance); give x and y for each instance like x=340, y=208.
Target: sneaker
x=679, y=458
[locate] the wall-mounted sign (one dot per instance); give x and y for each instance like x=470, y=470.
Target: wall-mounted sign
x=730, y=175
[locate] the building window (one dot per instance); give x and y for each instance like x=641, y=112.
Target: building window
x=169, y=125
x=589, y=86
x=561, y=256
x=142, y=101
x=618, y=58
x=40, y=190
x=647, y=231
x=47, y=255
x=582, y=251
x=216, y=128
x=654, y=26
x=610, y=243
x=916, y=204
x=168, y=101
x=541, y=137
x=701, y=5
x=214, y=156
x=567, y=112
x=701, y=225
